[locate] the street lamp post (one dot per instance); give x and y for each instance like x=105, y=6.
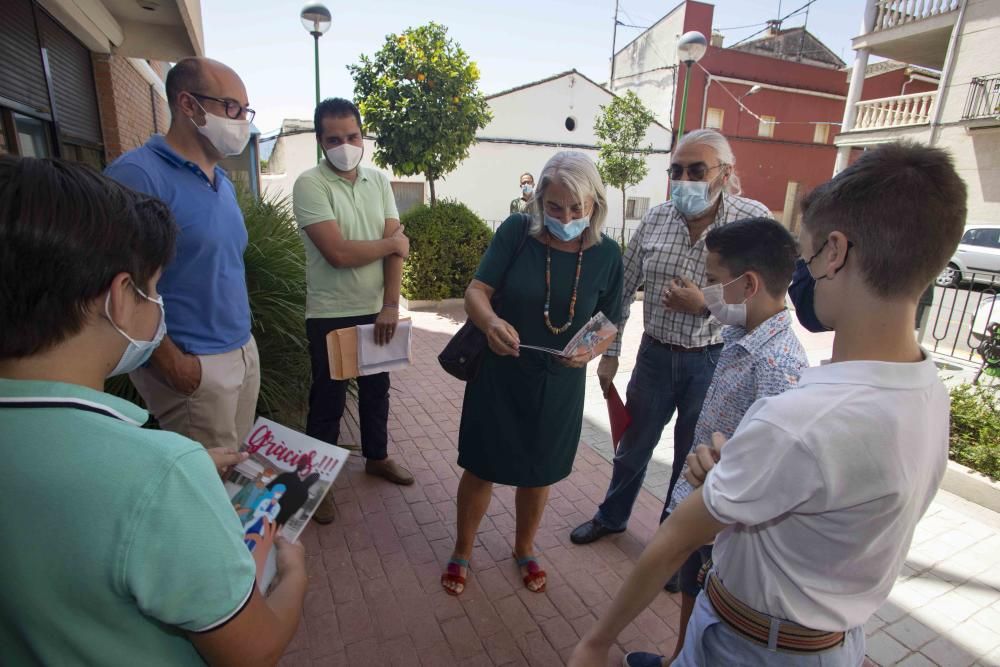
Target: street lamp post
x=316, y=20
x=690, y=47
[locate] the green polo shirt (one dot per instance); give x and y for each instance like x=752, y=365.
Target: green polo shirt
x=116, y=540
x=360, y=209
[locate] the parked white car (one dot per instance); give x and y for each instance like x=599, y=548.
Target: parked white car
x=977, y=258
x=988, y=313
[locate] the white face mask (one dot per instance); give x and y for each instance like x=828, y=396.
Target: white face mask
x=229, y=136
x=729, y=314
x=345, y=157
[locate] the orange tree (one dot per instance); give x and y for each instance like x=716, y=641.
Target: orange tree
x=419, y=95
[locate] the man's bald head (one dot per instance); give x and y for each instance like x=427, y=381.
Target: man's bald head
x=203, y=76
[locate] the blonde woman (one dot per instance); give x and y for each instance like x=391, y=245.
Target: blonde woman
x=523, y=412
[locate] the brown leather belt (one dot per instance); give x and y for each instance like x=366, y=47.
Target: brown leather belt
x=765, y=630
x=680, y=348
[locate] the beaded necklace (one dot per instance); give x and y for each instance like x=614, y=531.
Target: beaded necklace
x=548, y=287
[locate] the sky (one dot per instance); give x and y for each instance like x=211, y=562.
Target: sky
x=513, y=42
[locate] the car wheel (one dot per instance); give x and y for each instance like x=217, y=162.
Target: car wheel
x=950, y=276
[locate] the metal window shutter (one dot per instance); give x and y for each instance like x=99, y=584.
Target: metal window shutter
x=72, y=82
x=21, y=75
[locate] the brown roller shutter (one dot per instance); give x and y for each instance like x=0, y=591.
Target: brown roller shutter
x=21, y=77
x=72, y=82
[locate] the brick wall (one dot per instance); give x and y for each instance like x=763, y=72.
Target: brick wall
x=129, y=116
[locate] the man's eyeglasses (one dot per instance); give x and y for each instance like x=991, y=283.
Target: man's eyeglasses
x=697, y=171
x=233, y=108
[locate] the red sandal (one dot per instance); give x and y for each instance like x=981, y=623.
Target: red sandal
x=535, y=572
x=453, y=575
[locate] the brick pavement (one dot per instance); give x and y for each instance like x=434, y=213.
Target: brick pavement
x=375, y=598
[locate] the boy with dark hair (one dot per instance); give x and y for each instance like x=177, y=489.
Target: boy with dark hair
x=818, y=492
x=125, y=549
x=748, y=268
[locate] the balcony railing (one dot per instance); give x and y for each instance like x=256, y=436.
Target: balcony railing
x=984, y=98
x=890, y=112
x=893, y=13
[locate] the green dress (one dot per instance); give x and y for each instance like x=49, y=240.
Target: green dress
x=522, y=417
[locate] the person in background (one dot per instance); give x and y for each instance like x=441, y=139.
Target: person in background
x=520, y=204
x=681, y=342
x=748, y=269
x=523, y=412
x=816, y=497
x=355, y=249
x=203, y=380
x=159, y=574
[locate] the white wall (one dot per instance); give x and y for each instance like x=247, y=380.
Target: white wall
x=976, y=150
x=488, y=179
x=639, y=66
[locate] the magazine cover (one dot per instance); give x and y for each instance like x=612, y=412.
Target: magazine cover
x=592, y=339
x=277, y=490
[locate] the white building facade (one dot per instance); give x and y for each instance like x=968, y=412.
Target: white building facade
x=959, y=38
x=530, y=124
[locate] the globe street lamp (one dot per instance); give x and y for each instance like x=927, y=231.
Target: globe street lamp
x=316, y=20
x=690, y=48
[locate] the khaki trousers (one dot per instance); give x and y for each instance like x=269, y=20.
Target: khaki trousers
x=221, y=411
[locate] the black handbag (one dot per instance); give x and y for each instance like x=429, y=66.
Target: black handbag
x=463, y=355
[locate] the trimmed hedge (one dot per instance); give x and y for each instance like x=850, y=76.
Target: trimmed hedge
x=447, y=241
x=975, y=428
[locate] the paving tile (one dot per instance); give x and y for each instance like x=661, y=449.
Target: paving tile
x=976, y=638
x=911, y=633
x=917, y=660
x=885, y=650
x=946, y=653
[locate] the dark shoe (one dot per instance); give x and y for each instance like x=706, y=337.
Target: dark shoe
x=642, y=659
x=326, y=512
x=390, y=470
x=673, y=584
x=589, y=532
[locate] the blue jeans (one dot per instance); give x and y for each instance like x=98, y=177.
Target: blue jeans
x=663, y=380
x=710, y=641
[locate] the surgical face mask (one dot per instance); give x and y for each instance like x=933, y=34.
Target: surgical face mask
x=691, y=198
x=137, y=352
x=228, y=135
x=345, y=157
x=567, y=232
x=527, y=189
x=729, y=314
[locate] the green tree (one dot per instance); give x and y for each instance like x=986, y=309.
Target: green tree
x=419, y=95
x=620, y=129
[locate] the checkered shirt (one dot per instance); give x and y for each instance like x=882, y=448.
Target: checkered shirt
x=753, y=365
x=660, y=250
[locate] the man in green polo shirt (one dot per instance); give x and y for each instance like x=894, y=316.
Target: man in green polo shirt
x=123, y=548
x=355, y=249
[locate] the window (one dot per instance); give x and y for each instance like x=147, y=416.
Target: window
x=407, y=195
x=766, y=126
x=982, y=237
x=32, y=136
x=636, y=207
x=822, y=133
x=713, y=119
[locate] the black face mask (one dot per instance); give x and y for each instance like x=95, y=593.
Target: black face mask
x=802, y=292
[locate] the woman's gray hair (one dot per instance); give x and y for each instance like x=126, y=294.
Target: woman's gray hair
x=578, y=174
x=723, y=151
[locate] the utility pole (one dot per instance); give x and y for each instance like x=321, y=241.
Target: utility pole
x=614, y=42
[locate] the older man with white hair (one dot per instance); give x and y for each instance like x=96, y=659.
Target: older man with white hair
x=681, y=341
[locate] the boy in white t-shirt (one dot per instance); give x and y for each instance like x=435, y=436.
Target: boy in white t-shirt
x=816, y=496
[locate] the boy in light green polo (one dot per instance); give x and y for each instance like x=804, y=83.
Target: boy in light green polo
x=119, y=545
x=355, y=248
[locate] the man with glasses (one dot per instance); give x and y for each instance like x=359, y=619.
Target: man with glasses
x=681, y=342
x=204, y=378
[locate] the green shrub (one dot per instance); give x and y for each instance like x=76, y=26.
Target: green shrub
x=447, y=241
x=276, y=282
x=975, y=428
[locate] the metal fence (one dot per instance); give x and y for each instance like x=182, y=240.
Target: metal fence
x=958, y=320
x=983, y=100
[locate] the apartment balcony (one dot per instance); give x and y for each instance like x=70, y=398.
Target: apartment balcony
x=911, y=31
x=982, y=105
x=889, y=118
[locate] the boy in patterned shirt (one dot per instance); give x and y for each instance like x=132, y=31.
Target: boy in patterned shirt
x=748, y=269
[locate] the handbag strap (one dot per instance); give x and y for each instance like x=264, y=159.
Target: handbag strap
x=510, y=263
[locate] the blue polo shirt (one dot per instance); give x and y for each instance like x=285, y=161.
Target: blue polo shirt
x=204, y=288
